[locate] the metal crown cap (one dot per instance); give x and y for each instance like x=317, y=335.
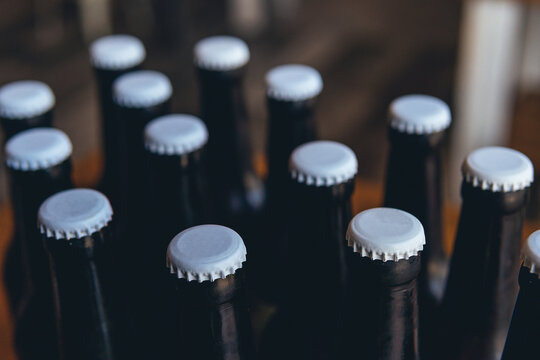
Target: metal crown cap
x=419, y=114
x=175, y=134
x=530, y=254
x=73, y=214
x=117, y=52
x=142, y=88
x=25, y=99
x=206, y=252
x=386, y=234
x=293, y=82
x=37, y=149
x=497, y=168
x=221, y=53
x=323, y=163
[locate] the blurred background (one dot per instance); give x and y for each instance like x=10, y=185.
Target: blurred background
x=480, y=56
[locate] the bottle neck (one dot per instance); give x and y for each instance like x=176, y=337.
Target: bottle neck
x=214, y=319
x=81, y=271
x=522, y=340
x=387, y=293
x=482, y=284
x=28, y=190
x=14, y=126
x=231, y=177
x=291, y=123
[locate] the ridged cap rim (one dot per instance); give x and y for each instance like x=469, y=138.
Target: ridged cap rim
x=37, y=149
x=293, y=82
x=73, y=214
x=386, y=234
x=206, y=253
x=117, y=52
x=221, y=53
x=175, y=134
x=419, y=114
x=25, y=99
x=143, y=88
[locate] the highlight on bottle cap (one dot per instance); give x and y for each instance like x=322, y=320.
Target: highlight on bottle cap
x=419, y=114
x=73, y=214
x=25, y=99
x=530, y=254
x=206, y=252
x=386, y=234
x=175, y=134
x=323, y=163
x=293, y=82
x=142, y=88
x=221, y=53
x=37, y=149
x=498, y=169
x=117, y=52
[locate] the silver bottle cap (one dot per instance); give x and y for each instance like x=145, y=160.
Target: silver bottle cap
x=293, y=82
x=143, y=88
x=25, y=99
x=117, y=52
x=419, y=114
x=221, y=53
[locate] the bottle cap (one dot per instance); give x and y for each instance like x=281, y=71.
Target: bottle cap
x=73, y=214
x=221, y=53
x=142, y=88
x=419, y=114
x=25, y=99
x=386, y=234
x=175, y=134
x=497, y=168
x=117, y=52
x=206, y=252
x=323, y=163
x=530, y=254
x=293, y=82
x=37, y=149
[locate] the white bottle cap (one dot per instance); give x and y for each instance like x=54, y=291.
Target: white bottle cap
x=323, y=163
x=117, y=52
x=206, y=252
x=419, y=114
x=142, y=88
x=386, y=234
x=293, y=82
x=497, y=168
x=221, y=53
x=37, y=149
x=25, y=99
x=530, y=254
x=175, y=134
x=73, y=214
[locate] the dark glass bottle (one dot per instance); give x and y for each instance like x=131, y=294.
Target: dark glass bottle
x=310, y=321
x=39, y=165
x=417, y=126
x=112, y=56
x=292, y=92
x=174, y=149
x=482, y=285
x=214, y=324
x=237, y=191
x=24, y=105
x=522, y=340
x=383, y=323
x=77, y=236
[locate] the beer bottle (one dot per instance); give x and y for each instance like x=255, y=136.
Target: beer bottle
x=174, y=148
x=310, y=321
x=291, y=92
x=386, y=262
x=139, y=96
x=417, y=125
x=524, y=333
x=237, y=191
x=77, y=235
x=24, y=105
x=482, y=283
x=112, y=56
x=207, y=261
x=38, y=162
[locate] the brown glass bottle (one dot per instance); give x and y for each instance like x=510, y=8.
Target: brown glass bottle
x=35, y=174
x=482, y=284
